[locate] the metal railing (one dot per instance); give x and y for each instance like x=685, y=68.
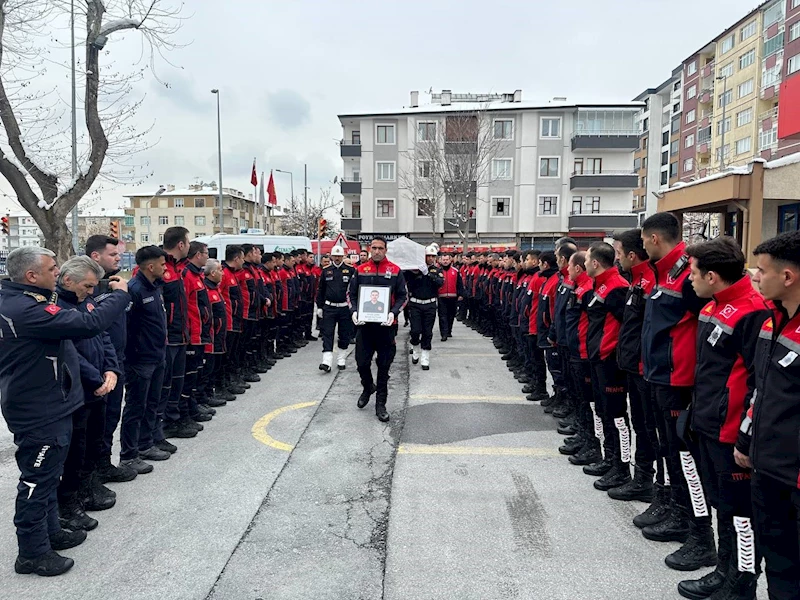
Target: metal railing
x=606, y=133
x=349, y=142
x=601, y=213
x=350, y=179
x=603, y=172
x=770, y=114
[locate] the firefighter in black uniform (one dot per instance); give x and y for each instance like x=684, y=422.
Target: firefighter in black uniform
x=39, y=396
x=423, y=290
x=332, y=308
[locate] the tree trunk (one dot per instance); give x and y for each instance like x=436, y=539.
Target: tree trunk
x=58, y=237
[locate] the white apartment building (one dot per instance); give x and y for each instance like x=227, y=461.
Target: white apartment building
x=562, y=168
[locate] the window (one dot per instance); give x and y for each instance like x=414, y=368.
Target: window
x=677, y=85
x=200, y=220
x=593, y=204
x=795, y=3
x=645, y=124
x=773, y=14
x=794, y=32
x=594, y=166
x=773, y=44
x=664, y=178
x=664, y=157
x=691, y=92
x=747, y=59
x=199, y=234
x=501, y=168
x=637, y=164
x=577, y=205
x=550, y=127
x=548, y=206
x=501, y=206
x=726, y=149
x=689, y=141
x=743, y=145
x=384, y=171
x=178, y=202
x=690, y=116
x=356, y=175
x=145, y=237
x=644, y=182
x=384, y=134
x=691, y=68
x=771, y=76
x=724, y=126
x=355, y=210
x=163, y=220
x=577, y=166
x=160, y=238
x=644, y=143
x=424, y=168
x=129, y=220
x=676, y=125
x=199, y=202
x=644, y=163
x=179, y=220
x=793, y=64
x=425, y=207
x=426, y=132
x=744, y=117
x=727, y=43
x=747, y=31
x=144, y=220
x=725, y=99
x=745, y=88
x=385, y=208
x=767, y=139
x=549, y=167
x=503, y=129
x=726, y=71
x=673, y=169
x=688, y=165
x=665, y=138
x=674, y=147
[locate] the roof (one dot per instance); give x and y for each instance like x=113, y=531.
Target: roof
x=747, y=169
x=188, y=192
x=724, y=31
x=495, y=107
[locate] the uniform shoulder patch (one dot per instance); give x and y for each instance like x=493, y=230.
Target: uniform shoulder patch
x=35, y=296
x=52, y=309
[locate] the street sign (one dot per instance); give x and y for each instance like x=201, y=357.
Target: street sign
x=366, y=238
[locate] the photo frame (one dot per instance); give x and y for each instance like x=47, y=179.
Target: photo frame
x=373, y=304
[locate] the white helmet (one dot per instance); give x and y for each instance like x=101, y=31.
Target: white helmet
x=432, y=250
x=337, y=251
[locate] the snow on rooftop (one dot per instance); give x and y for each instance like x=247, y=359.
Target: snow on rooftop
x=190, y=192
x=791, y=159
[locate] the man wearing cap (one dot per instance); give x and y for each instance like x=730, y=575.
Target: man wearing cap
x=332, y=308
x=423, y=290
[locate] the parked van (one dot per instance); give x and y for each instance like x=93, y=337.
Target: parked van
x=219, y=242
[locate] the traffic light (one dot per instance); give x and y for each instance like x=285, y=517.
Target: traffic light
x=4, y=225
x=323, y=226
x=114, y=229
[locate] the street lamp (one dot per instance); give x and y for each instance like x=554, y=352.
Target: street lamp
x=219, y=159
x=160, y=191
x=291, y=187
x=724, y=79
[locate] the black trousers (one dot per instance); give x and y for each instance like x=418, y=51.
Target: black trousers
x=113, y=414
x=611, y=405
x=555, y=358
x=230, y=365
x=644, y=425
x=140, y=424
x=776, y=511
x=174, y=372
x=447, y=315
x=40, y=455
x=684, y=477
x=538, y=363
x=88, y=426
x=333, y=318
x=379, y=341
x=423, y=316
x=581, y=372
x=191, y=383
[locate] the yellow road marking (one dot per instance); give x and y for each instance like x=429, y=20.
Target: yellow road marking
x=474, y=450
x=461, y=398
x=259, y=430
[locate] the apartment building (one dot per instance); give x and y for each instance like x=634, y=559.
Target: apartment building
x=195, y=207
x=789, y=121
x=555, y=168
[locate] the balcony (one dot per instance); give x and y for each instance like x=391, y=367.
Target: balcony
x=349, y=149
x=461, y=147
x=602, y=221
x=351, y=224
x=615, y=180
x=606, y=140
x=705, y=98
x=451, y=225
x=351, y=186
x=708, y=70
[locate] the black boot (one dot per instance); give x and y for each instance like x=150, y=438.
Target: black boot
x=658, y=510
x=562, y=412
x=380, y=410
x=72, y=516
x=571, y=446
x=639, y=488
x=108, y=472
x=568, y=429
x=96, y=496
x=363, y=399
x=738, y=586
x=48, y=564
x=540, y=396
x=66, y=539
x=675, y=528
x=598, y=468
x=620, y=474
x=698, y=551
x=588, y=455
x=697, y=589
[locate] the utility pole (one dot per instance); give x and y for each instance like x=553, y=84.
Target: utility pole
x=219, y=159
x=305, y=200
x=74, y=128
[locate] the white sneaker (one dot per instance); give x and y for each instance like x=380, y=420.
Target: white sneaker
x=414, y=354
x=327, y=359
x=426, y=360
x=340, y=360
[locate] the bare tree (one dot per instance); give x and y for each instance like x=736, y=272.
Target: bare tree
x=296, y=220
x=35, y=137
x=450, y=160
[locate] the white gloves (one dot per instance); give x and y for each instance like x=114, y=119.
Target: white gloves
x=319, y=313
x=424, y=269
x=390, y=321
x=356, y=321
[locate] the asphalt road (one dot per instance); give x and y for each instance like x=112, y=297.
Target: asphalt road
x=291, y=492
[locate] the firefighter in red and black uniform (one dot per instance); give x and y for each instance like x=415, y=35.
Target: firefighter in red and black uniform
x=633, y=260
x=524, y=304
x=773, y=422
x=450, y=294
x=212, y=382
x=377, y=338
x=269, y=323
x=199, y=313
x=548, y=273
x=669, y=353
x=248, y=285
x=727, y=337
x=232, y=295
x=286, y=345
x=605, y=313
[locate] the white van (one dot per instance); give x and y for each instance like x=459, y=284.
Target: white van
x=218, y=243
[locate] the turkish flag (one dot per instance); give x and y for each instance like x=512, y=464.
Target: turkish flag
x=272, y=198
x=253, y=176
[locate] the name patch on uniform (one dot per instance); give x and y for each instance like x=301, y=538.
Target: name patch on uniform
x=345, y=278
x=388, y=274
x=148, y=300
x=788, y=359
x=715, y=335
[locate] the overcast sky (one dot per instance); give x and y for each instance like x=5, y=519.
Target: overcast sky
x=286, y=69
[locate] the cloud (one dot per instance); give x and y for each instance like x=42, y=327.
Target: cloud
x=288, y=109
x=182, y=92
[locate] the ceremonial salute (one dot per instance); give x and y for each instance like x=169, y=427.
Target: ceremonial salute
x=423, y=289
x=332, y=308
x=377, y=338
x=36, y=340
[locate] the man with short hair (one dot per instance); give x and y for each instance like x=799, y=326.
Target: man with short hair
x=549, y=275
x=332, y=308
x=211, y=381
x=199, y=312
x=567, y=396
x=232, y=296
x=450, y=294
x=423, y=289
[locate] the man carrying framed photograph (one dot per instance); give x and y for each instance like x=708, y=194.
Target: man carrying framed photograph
x=376, y=296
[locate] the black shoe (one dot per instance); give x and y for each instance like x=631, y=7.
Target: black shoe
x=380, y=412
x=562, y=412
x=698, y=551
x=107, y=472
x=216, y=402
x=66, y=539
x=620, y=474
x=567, y=430
x=95, y=496
x=235, y=390
x=444, y=338
x=698, y=589
x=260, y=368
x=507, y=356
x=658, y=510
x=548, y=401
x=138, y=465
x=198, y=427
x=524, y=378
x=738, y=586
x=205, y=409
x=675, y=528
x=639, y=488
x=251, y=378
x=166, y=446
x=72, y=516
x=363, y=399
x=528, y=389
x=540, y=396
x=599, y=468
x=586, y=456
x=154, y=453
x=201, y=417
x=571, y=447
x=324, y=367
x=48, y=564
x=179, y=429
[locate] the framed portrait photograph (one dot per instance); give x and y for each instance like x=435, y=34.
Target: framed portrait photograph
x=373, y=304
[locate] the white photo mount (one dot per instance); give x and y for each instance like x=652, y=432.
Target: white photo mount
x=373, y=303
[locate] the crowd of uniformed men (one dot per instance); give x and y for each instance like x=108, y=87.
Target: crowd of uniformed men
x=647, y=338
